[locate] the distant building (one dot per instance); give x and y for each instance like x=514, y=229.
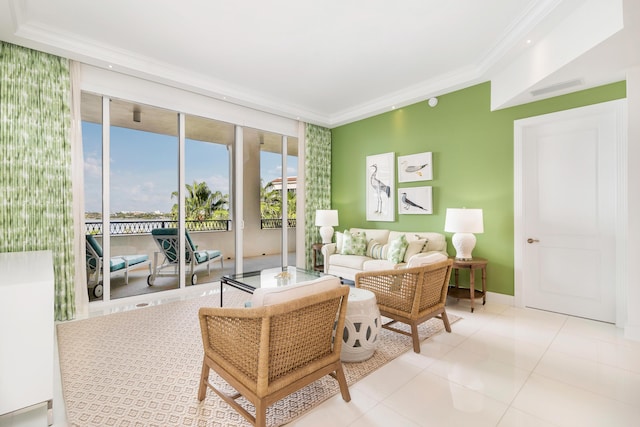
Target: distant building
x=291, y=183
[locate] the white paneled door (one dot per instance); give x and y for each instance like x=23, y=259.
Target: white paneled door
x=566, y=225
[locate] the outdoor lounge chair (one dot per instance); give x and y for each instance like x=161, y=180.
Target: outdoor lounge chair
x=167, y=241
x=122, y=263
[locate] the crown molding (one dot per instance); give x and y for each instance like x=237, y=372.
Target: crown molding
x=38, y=36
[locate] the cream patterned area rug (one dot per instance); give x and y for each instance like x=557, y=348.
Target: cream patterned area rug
x=142, y=368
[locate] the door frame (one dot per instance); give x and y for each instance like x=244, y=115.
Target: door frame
x=619, y=107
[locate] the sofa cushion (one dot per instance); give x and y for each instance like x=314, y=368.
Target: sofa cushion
x=354, y=243
x=397, y=249
x=377, y=265
x=270, y=296
x=349, y=261
x=381, y=235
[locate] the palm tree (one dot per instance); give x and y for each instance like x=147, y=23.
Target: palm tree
x=291, y=204
x=201, y=203
x=270, y=202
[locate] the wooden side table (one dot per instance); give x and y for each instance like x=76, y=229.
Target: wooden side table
x=316, y=253
x=471, y=292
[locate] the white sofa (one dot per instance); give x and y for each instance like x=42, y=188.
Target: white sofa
x=346, y=266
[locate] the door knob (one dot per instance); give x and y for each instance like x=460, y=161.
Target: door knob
x=530, y=240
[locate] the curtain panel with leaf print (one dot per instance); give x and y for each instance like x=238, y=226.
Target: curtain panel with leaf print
x=35, y=163
x=317, y=182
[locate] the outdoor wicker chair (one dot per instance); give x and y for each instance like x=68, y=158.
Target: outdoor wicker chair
x=410, y=295
x=269, y=352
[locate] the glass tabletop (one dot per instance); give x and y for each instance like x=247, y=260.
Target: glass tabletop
x=272, y=277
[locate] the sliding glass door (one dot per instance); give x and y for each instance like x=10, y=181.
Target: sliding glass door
x=152, y=172
x=269, y=199
x=208, y=219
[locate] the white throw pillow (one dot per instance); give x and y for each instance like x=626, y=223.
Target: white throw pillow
x=339, y=240
x=415, y=247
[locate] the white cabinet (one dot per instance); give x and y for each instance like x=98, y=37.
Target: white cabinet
x=26, y=329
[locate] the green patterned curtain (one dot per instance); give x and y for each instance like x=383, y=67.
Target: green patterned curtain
x=317, y=182
x=35, y=163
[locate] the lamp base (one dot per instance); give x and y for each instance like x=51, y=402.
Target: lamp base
x=326, y=232
x=464, y=244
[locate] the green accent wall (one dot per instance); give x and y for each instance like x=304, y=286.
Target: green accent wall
x=472, y=150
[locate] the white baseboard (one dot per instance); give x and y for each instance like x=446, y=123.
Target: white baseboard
x=501, y=299
x=632, y=332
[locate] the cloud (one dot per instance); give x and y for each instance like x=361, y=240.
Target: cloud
x=92, y=167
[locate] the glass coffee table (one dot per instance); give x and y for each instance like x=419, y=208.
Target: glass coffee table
x=268, y=278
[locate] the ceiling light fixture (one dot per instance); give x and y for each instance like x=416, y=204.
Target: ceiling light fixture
x=433, y=102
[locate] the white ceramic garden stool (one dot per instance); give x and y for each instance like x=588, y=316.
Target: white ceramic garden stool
x=361, y=326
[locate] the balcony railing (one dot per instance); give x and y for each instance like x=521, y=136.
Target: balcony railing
x=275, y=223
x=145, y=226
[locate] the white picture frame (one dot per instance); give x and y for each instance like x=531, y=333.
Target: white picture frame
x=380, y=187
x=415, y=167
x=415, y=200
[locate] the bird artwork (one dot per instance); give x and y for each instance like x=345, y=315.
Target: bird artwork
x=408, y=204
x=379, y=187
x=417, y=169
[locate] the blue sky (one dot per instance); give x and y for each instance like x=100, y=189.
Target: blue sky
x=144, y=168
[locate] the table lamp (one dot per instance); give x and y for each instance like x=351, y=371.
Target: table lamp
x=326, y=219
x=464, y=222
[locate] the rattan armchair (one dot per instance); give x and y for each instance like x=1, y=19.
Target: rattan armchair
x=267, y=353
x=410, y=295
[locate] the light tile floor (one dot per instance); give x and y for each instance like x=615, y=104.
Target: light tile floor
x=501, y=366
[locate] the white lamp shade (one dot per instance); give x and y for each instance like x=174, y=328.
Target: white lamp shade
x=326, y=219
x=464, y=221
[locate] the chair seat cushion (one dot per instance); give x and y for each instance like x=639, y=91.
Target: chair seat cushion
x=271, y=296
x=203, y=256
x=116, y=263
x=135, y=259
x=421, y=259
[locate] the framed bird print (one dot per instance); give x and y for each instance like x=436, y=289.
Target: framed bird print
x=415, y=167
x=380, y=176
x=415, y=200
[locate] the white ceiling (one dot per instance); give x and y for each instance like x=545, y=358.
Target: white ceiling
x=327, y=62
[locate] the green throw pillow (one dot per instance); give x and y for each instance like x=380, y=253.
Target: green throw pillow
x=354, y=244
x=397, y=248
